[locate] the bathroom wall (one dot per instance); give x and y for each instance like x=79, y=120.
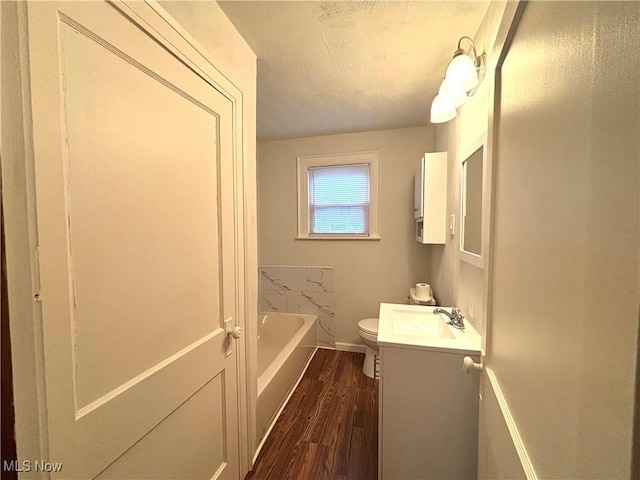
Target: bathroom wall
x=566, y=285
x=562, y=343
x=457, y=282
x=365, y=272
x=307, y=290
x=205, y=21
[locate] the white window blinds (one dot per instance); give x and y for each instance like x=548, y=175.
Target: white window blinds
x=339, y=200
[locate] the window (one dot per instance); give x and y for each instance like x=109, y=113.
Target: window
x=338, y=196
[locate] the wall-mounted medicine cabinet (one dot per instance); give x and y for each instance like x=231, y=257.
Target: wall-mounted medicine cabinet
x=430, y=205
x=473, y=203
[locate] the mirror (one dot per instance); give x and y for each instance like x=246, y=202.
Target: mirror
x=471, y=204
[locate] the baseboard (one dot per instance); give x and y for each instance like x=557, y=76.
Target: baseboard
x=351, y=347
x=518, y=444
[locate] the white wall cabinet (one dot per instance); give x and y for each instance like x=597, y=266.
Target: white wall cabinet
x=430, y=205
x=428, y=415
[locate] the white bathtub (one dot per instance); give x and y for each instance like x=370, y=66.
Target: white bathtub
x=286, y=343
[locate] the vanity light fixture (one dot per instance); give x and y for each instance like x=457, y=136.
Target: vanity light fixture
x=442, y=109
x=462, y=72
x=462, y=77
x=458, y=97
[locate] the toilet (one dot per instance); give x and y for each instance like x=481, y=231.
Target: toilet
x=368, y=330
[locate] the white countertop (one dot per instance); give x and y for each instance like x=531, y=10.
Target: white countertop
x=465, y=341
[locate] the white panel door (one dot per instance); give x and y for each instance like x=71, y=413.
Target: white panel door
x=135, y=218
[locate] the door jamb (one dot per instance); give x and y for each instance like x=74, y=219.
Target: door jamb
x=508, y=26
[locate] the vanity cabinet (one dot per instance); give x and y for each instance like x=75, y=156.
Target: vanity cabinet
x=430, y=200
x=428, y=415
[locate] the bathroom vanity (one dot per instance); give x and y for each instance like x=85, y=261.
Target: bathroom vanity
x=428, y=406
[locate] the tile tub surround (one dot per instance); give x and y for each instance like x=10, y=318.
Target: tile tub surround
x=307, y=290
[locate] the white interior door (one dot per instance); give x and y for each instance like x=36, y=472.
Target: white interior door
x=135, y=192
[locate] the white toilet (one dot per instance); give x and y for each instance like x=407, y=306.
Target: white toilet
x=368, y=330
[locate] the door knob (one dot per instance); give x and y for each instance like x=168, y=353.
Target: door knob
x=232, y=331
x=468, y=364
x=235, y=331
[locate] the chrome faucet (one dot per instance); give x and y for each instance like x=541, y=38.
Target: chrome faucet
x=456, y=318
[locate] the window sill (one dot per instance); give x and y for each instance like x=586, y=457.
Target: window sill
x=337, y=237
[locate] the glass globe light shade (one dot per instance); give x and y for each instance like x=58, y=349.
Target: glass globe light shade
x=461, y=75
x=457, y=97
x=442, y=109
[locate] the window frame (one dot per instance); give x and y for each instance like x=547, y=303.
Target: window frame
x=305, y=162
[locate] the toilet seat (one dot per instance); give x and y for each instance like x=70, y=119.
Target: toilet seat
x=369, y=325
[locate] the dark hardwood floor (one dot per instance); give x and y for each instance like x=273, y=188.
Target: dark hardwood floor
x=329, y=428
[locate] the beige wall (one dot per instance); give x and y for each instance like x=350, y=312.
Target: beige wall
x=564, y=328
x=457, y=282
x=366, y=272
x=205, y=21
x=567, y=236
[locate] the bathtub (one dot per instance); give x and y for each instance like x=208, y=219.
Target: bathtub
x=286, y=343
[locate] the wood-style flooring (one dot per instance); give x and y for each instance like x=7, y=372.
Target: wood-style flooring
x=329, y=428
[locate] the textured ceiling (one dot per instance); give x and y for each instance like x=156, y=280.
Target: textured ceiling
x=337, y=67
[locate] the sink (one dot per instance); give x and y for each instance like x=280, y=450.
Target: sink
x=421, y=324
x=416, y=327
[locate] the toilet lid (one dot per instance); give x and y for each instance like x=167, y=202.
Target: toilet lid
x=369, y=325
